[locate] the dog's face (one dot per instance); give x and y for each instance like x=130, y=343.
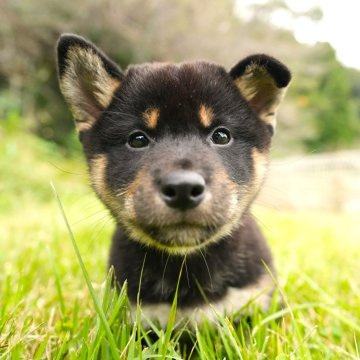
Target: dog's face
x=176, y=152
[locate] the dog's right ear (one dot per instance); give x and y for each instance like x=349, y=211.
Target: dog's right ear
x=88, y=79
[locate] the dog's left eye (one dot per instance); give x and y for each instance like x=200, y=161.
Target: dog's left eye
x=138, y=140
x=221, y=136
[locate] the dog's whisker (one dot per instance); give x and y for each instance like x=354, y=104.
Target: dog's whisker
x=163, y=275
x=78, y=222
x=207, y=268
x=187, y=273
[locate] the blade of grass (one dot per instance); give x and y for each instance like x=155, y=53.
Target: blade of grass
x=138, y=308
x=98, y=307
x=172, y=315
x=57, y=280
x=41, y=349
x=204, y=350
x=297, y=333
x=227, y=332
x=341, y=317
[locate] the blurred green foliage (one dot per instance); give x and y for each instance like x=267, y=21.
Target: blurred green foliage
x=329, y=104
x=321, y=111
x=334, y=112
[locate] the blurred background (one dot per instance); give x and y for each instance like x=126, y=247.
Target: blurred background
x=316, y=148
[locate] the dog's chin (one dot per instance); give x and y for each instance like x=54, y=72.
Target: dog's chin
x=185, y=235
x=180, y=238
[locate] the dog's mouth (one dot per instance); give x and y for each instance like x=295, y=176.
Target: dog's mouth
x=181, y=230
x=176, y=238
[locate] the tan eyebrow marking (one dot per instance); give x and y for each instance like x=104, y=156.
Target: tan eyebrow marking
x=151, y=117
x=206, y=115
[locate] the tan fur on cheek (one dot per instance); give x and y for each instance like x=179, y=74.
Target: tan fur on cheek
x=260, y=161
x=98, y=167
x=206, y=115
x=244, y=195
x=129, y=195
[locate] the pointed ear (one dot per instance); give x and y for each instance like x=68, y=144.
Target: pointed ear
x=88, y=79
x=262, y=81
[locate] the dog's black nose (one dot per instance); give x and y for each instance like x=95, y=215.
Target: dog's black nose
x=182, y=190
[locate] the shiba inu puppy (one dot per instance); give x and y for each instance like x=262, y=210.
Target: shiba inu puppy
x=178, y=153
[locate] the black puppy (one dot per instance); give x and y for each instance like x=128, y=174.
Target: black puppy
x=178, y=153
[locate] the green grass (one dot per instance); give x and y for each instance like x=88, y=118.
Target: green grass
x=55, y=304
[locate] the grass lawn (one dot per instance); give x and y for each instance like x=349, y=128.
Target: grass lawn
x=50, y=310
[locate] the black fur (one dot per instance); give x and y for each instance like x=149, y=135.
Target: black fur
x=235, y=261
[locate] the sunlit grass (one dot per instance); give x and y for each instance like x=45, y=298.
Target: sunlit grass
x=48, y=311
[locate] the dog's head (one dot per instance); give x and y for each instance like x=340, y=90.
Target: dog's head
x=177, y=152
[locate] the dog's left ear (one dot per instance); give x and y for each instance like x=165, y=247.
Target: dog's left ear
x=262, y=81
x=88, y=79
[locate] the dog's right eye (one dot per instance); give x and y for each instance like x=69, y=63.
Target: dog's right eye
x=138, y=140
x=221, y=136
